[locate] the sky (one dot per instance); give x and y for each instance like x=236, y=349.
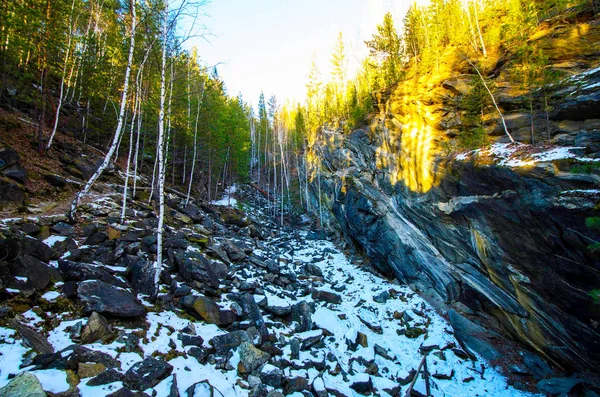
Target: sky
x=268, y=45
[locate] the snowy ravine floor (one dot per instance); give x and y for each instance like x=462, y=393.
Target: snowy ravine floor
x=342, y=321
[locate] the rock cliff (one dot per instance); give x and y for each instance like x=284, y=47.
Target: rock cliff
x=498, y=235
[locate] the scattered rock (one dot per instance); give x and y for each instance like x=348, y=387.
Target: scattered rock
x=106, y=299
x=23, y=385
x=326, y=296
x=250, y=358
x=212, y=313
x=147, y=373
x=96, y=329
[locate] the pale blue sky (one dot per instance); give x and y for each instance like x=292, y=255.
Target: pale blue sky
x=269, y=44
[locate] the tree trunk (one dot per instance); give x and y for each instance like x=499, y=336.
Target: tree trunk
x=119, y=128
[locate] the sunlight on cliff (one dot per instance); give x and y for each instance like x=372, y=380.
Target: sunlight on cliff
x=408, y=141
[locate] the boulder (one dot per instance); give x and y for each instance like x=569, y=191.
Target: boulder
x=107, y=299
x=229, y=341
x=8, y=157
x=39, y=275
x=212, y=313
x=473, y=336
x=70, y=358
x=77, y=271
x=195, y=266
x=147, y=373
x=11, y=192
x=33, y=338
x=326, y=296
x=203, y=388
x=362, y=384
x=272, y=376
x=96, y=329
x=250, y=358
x=16, y=172
x=23, y=385
x=558, y=386
x=141, y=274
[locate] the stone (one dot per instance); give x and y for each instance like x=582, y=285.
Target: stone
x=141, y=274
x=96, y=329
x=15, y=172
x=77, y=271
x=96, y=238
x=109, y=376
x=195, y=266
x=113, y=233
x=147, y=373
x=381, y=297
x=326, y=296
x=90, y=370
x=70, y=358
x=203, y=388
x=212, y=313
x=123, y=392
x=109, y=300
x=250, y=358
x=302, y=315
x=473, y=336
x=39, y=275
x=555, y=386
x=11, y=192
x=538, y=367
x=23, y=385
x=8, y=156
x=309, y=338
x=362, y=384
x=278, y=306
x=234, y=252
x=39, y=343
x=272, y=376
x=193, y=212
x=191, y=340
x=296, y=384
x=229, y=341
x=63, y=228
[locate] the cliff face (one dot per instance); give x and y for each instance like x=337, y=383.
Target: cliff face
x=498, y=235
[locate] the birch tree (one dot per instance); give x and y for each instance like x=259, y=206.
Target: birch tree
x=119, y=128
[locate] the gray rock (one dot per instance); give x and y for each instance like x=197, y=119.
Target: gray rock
x=271, y=376
x=23, y=385
x=107, y=299
x=251, y=358
x=78, y=271
x=141, y=274
x=195, y=266
x=64, y=229
x=473, y=336
x=302, y=315
x=96, y=329
x=204, y=389
x=362, y=384
x=225, y=343
x=33, y=338
x=557, y=386
x=212, y=313
x=326, y=296
x=147, y=373
x=39, y=275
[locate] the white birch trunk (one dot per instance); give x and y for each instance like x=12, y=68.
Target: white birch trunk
x=187, y=199
x=119, y=128
x=160, y=146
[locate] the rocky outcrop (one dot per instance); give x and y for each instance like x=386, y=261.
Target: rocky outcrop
x=507, y=244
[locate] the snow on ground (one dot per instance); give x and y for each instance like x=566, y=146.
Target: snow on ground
x=227, y=200
x=518, y=155
x=395, y=354
x=357, y=302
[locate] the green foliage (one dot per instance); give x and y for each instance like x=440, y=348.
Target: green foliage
x=595, y=295
x=472, y=138
x=585, y=168
x=593, y=222
x=385, y=48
